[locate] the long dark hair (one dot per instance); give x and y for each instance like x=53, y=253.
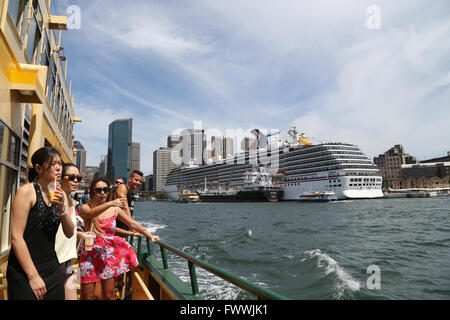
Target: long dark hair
x=42, y=157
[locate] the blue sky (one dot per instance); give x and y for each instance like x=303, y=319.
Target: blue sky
x=238, y=65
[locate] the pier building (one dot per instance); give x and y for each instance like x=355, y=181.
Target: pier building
x=428, y=174
x=390, y=164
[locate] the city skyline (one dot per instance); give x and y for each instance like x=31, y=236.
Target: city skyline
x=263, y=65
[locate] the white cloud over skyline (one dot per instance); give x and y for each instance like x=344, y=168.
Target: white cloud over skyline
x=247, y=63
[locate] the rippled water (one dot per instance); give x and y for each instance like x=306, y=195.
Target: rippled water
x=313, y=250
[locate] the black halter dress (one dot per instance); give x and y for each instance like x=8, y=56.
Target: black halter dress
x=39, y=235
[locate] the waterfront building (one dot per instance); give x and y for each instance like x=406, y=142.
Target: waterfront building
x=428, y=174
x=119, y=148
x=390, y=164
x=147, y=186
x=162, y=165
x=135, y=156
x=36, y=102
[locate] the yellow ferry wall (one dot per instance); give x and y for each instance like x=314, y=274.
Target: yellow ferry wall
x=10, y=116
x=16, y=69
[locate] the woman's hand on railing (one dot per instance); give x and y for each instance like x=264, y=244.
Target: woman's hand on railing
x=153, y=238
x=136, y=234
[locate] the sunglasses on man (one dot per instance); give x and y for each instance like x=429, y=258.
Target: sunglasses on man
x=74, y=177
x=100, y=190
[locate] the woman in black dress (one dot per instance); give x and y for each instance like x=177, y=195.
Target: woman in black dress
x=33, y=269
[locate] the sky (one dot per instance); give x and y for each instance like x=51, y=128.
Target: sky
x=372, y=73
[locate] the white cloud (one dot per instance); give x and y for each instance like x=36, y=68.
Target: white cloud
x=384, y=91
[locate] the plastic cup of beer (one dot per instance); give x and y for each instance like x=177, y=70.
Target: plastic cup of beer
x=52, y=186
x=89, y=241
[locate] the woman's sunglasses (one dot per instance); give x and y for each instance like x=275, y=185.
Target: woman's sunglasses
x=73, y=178
x=100, y=190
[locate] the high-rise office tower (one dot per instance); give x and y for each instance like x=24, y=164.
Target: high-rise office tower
x=103, y=166
x=248, y=143
x=173, y=140
x=119, y=148
x=221, y=147
x=135, y=156
x=162, y=164
x=80, y=156
x=194, y=144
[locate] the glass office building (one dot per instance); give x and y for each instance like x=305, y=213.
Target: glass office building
x=119, y=149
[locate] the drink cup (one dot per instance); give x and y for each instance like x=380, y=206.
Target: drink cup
x=89, y=241
x=52, y=186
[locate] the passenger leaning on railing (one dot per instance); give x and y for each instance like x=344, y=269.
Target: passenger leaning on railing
x=111, y=255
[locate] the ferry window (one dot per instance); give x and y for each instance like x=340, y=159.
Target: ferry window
x=16, y=10
x=51, y=83
x=34, y=37
x=45, y=60
x=9, y=154
x=9, y=145
x=57, y=100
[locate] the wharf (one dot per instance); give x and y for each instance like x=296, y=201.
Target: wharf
x=414, y=194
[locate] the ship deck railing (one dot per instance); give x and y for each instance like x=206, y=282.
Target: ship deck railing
x=191, y=291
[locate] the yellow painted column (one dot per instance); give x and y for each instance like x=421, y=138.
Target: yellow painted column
x=37, y=118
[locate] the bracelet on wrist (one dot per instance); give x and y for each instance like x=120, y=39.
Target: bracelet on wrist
x=63, y=213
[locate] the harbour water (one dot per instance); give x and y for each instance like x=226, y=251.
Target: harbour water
x=313, y=250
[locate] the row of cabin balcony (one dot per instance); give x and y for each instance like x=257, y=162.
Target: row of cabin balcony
x=326, y=156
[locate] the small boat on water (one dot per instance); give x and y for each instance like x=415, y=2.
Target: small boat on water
x=188, y=197
x=322, y=196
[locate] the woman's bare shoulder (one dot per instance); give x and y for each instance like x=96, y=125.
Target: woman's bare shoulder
x=25, y=195
x=26, y=190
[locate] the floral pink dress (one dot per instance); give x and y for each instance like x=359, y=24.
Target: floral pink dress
x=110, y=257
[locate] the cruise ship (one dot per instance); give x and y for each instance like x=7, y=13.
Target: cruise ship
x=298, y=167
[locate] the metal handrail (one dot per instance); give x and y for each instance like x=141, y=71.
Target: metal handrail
x=258, y=291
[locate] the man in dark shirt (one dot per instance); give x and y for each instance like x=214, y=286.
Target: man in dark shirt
x=126, y=191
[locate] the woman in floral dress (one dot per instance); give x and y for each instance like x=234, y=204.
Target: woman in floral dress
x=111, y=255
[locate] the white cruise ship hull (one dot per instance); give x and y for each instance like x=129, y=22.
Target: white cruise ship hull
x=342, y=186
x=172, y=192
